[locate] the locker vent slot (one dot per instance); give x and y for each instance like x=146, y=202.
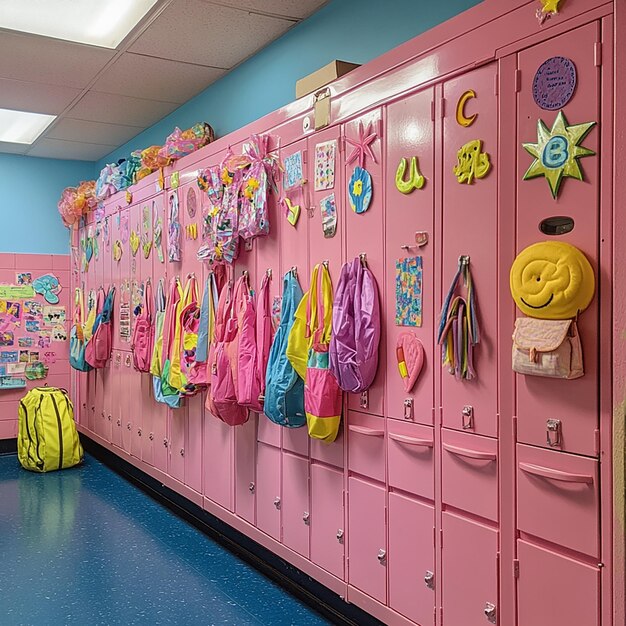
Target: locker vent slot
x=558, y=225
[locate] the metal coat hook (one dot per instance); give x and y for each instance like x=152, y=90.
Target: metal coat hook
x=464, y=260
x=294, y=271
x=325, y=263
x=363, y=259
x=268, y=271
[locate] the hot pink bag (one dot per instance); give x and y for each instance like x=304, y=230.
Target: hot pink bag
x=255, y=337
x=223, y=305
x=142, y=341
x=98, y=349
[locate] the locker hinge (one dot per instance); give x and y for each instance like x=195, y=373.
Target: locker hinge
x=305, y=155
x=434, y=536
x=515, y=427
x=441, y=537
x=342, y=143
x=515, y=568
x=441, y=615
x=443, y=108
x=432, y=111
x=495, y=84
x=518, y=81
x=597, y=53
x=596, y=436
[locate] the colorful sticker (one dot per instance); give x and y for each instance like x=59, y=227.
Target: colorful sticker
x=409, y=291
x=328, y=208
x=24, y=356
x=8, y=382
x=49, y=357
x=557, y=152
x=25, y=342
x=554, y=83
x=175, y=180
x=7, y=338
x=360, y=190
x=44, y=339
x=8, y=357
x=32, y=326
x=17, y=292
x=15, y=368
x=53, y=315
x=47, y=286
x=146, y=234
x=325, y=154
x=59, y=333
x=135, y=242
x=293, y=176
x=192, y=202
x=472, y=162
x=32, y=309
x=3, y=370
x=33, y=356
x=24, y=278
x=36, y=371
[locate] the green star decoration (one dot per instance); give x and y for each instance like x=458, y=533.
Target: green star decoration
x=557, y=152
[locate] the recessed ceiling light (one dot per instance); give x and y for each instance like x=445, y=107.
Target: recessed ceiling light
x=21, y=126
x=96, y=22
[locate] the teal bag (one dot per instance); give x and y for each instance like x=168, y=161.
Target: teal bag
x=78, y=342
x=284, y=389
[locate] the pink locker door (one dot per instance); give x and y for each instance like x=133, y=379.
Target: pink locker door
x=245, y=469
x=327, y=519
x=410, y=135
x=91, y=400
x=367, y=547
x=218, y=463
x=332, y=453
x=365, y=234
x=268, y=496
x=469, y=228
x=412, y=559
x=470, y=573
x=296, y=509
x=107, y=414
x=177, y=440
x=100, y=411
x=120, y=270
x=573, y=402
x=555, y=589
x=191, y=215
x=135, y=407
x=117, y=386
x=127, y=402
x=158, y=410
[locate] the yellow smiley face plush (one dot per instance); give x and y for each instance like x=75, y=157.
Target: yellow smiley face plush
x=552, y=280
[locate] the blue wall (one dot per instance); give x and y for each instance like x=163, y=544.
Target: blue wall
x=350, y=30
x=31, y=187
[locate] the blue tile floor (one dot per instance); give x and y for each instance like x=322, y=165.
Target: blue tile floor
x=83, y=546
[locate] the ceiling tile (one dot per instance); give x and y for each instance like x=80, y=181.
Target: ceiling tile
x=155, y=79
x=213, y=35
x=35, y=97
x=112, y=108
x=58, y=149
x=92, y=132
x=42, y=60
x=13, y=148
x=289, y=8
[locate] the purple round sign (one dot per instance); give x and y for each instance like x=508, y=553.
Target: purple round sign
x=554, y=83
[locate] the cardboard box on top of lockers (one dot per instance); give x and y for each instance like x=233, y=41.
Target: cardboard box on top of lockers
x=325, y=75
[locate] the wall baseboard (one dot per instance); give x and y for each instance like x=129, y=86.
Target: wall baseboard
x=296, y=582
x=8, y=446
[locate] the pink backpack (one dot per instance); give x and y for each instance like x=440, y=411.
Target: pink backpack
x=223, y=395
x=142, y=341
x=255, y=338
x=98, y=349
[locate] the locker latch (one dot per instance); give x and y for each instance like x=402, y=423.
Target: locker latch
x=553, y=433
x=408, y=409
x=251, y=487
x=306, y=518
x=429, y=579
x=340, y=535
x=364, y=399
x=277, y=502
x=382, y=557
x=490, y=613
x=151, y=436
x=182, y=452
x=468, y=417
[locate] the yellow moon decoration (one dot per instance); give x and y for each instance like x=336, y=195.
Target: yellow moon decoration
x=552, y=280
x=460, y=109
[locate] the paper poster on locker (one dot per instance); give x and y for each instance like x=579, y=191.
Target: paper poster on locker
x=325, y=165
x=409, y=291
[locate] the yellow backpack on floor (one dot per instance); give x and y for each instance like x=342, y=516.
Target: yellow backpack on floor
x=47, y=438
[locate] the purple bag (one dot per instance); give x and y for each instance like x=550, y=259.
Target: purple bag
x=356, y=328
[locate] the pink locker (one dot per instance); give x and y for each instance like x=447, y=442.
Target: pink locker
x=412, y=558
x=327, y=519
x=177, y=440
x=158, y=411
x=469, y=228
x=556, y=589
x=469, y=473
x=106, y=426
x=295, y=504
x=117, y=386
x=573, y=403
x=410, y=129
x=330, y=453
x=128, y=403
x=268, y=494
x=410, y=458
x=365, y=234
x=366, y=445
x=367, y=547
x=470, y=572
x=245, y=468
x=218, y=462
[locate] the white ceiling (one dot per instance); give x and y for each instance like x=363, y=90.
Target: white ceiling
x=105, y=97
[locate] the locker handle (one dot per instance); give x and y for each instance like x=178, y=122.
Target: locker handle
x=547, y=472
x=412, y=441
x=364, y=430
x=470, y=454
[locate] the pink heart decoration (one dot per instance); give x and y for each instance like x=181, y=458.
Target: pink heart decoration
x=413, y=350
